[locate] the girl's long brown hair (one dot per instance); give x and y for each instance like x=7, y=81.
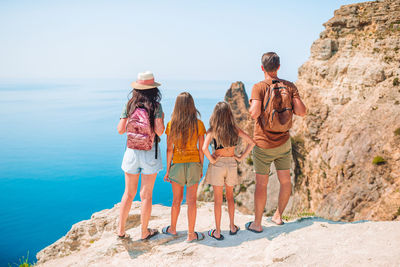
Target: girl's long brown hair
x=183, y=120
x=148, y=99
x=223, y=126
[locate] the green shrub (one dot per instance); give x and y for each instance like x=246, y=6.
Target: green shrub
x=23, y=262
x=397, y=102
x=397, y=131
x=249, y=160
x=398, y=212
x=242, y=188
x=378, y=160
x=396, y=82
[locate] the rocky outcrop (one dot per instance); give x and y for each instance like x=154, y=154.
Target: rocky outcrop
x=347, y=149
x=349, y=143
x=94, y=243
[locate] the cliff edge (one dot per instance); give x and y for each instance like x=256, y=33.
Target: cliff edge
x=94, y=242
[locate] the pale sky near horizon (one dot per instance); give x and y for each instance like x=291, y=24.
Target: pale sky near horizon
x=181, y=40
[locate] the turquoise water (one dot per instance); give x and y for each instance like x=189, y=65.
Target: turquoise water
x=60, y=155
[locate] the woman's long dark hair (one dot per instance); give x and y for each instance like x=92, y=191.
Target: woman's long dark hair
x=148, y=99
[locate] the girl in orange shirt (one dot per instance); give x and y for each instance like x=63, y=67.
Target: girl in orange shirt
x=185, y=135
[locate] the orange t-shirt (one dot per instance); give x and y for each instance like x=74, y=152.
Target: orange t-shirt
x=265, y=139
x=190, y=153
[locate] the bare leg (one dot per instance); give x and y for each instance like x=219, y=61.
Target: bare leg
x=284, y=194
x=146, y=195
x=260, y=199
x=131, y=182
x=231, y=207
x=177, y=191
x=218, y=198
x=191, y=199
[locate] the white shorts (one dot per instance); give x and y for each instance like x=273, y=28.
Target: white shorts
x=142, y=161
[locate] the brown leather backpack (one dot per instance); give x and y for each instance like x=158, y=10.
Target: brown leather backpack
x=277, y=112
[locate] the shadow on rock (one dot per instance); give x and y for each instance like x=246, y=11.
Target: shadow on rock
x=270, y=232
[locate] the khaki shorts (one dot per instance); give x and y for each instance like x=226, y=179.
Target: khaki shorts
x=188, y=173
x=281, y=156
x=224, y=171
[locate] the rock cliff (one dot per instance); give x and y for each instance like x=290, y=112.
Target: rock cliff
x=94, y=243
x=348, y=167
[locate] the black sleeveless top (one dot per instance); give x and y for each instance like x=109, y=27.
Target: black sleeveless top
x=216, y=147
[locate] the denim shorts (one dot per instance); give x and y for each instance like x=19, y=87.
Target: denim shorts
x=141, y=161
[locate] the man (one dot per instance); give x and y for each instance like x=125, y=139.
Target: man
x=272, y=145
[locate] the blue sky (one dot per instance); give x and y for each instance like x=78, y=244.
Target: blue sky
x=181, y=40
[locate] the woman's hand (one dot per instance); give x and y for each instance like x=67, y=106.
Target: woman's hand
x=214, y=158
x=166, y=179
x=238, y=158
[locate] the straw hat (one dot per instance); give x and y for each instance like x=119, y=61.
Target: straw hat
x=145, y=80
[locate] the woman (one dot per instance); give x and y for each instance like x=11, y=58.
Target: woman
x=143, y=120
x=222, y=170
x=185, y=136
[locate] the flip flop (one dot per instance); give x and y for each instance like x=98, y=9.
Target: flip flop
x=211, y=234
x=247, y=225
x=199, y=237
x=165, y=231
x=151, y=234
x=124, y=236
x=234, y=233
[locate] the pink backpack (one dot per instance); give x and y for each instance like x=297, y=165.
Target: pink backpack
x=139, y=132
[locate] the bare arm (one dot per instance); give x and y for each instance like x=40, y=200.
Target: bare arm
x=122, y=126
x=205, y=150
x=250, y=144
x=159, y=125
x=201, y=154
x=255, y=108
x=170, y=150
x=298, y=107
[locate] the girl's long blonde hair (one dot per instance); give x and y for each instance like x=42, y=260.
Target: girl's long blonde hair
x=183, y=120
x=223, y=126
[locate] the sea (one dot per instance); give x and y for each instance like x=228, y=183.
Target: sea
x=60, y=154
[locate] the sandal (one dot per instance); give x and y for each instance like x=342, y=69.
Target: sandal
x=165, y=231
x=199, y=237
x=247, y=225
x=211, y=234
x=234, y=233
x=124, y=236
x=152, y=232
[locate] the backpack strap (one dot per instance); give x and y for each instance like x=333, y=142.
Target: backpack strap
x=156, y=148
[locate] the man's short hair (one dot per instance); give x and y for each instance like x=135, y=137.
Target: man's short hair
x=270, y=61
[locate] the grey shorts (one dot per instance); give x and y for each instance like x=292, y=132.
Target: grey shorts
x=188, y=173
